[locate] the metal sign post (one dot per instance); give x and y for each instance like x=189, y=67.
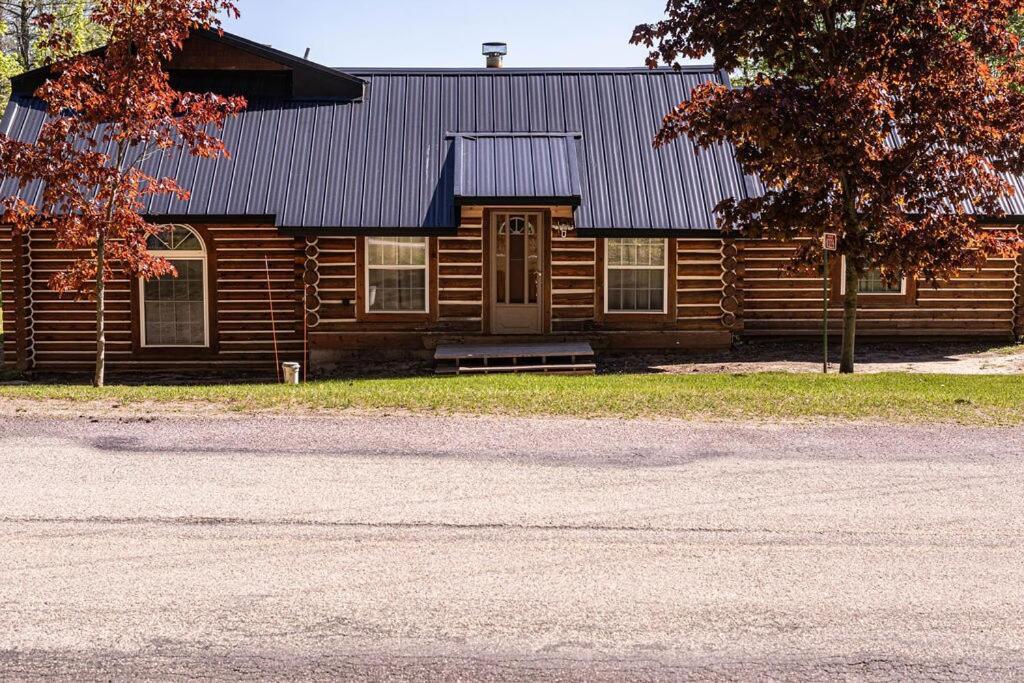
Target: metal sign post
x=829, y=242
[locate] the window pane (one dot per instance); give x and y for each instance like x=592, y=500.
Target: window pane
x=397, y=274
x=657, y=252
x=174, y=307
x=635, y=251
x=396, y=251
x=174, y=238
x=397, y=290
x=636, y=290
x=501, y=266
x=516, y=266
x=871, y=283
x=614, y=251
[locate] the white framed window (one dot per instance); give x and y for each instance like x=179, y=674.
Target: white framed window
x=636, y=275
x=176, y=310
x=397, y=276
x=871, y=282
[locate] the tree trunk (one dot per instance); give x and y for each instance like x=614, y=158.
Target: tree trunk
x=25, y=34
x=101, y=332
x=849, y=318
x=101, y=286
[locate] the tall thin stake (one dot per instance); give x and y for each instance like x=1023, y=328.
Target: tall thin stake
x=273, y=322
x=824, y=318
x=305, y=333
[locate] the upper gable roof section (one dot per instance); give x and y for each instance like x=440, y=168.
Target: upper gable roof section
x=400, y=166
x=232, y=65
x=386, y=163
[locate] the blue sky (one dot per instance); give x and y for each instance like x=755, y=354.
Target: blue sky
x=449, y=32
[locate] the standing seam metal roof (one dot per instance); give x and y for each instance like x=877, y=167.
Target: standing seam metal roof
x=386, y=163
x=517, y=168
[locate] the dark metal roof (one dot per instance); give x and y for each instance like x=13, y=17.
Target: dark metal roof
x=517, y=169
x=387, y=163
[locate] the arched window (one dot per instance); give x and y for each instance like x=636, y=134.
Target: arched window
x=175, y=310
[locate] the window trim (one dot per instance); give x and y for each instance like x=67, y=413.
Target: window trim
x=842, y=284
x=203, y=257
x=664, y=267
x=366, y=276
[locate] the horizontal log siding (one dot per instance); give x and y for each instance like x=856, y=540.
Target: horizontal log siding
x=573, y=284
x=779, y=304
x=8, y=321
x=65, y=327
x=336, y=267
x=459, y=277
x=699, y=284
x=455, y=290
x=1018, y=326
x=65, y=337
x=243, y=326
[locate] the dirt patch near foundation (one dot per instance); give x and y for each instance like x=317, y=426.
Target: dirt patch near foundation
x=957, y=359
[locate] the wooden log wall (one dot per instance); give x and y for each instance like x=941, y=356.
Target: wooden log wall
x=65, y=338
x=241, y=333
x=243, y=326
x=703, y=272
x=732, y=287
x=334, y=278
x=700, y=284
x=573, y=283
x=723, y=287
x=779, y=304
x=334, y=261
x=8, y=302
x=459, y=276
x=1018, y=324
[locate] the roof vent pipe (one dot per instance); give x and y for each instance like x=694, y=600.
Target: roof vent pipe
x=495, y=53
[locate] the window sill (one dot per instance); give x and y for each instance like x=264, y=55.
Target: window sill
x=637, y=317
x=175, y=352
x=394, y=316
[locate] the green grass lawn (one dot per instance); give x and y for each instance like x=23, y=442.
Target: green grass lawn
x=978, y=399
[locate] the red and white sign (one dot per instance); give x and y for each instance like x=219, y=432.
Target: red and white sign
x=830, y=241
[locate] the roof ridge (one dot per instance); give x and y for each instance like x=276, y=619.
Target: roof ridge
x=483, y=71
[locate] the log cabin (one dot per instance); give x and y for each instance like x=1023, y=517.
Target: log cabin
x=395, y=210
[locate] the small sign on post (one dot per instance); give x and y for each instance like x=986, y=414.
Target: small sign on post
x=829, y=242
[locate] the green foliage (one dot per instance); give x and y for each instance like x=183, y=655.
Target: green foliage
x=71, y=16
x=10, y=65
x=18, y=33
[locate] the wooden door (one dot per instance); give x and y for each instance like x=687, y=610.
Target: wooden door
x=517, y=276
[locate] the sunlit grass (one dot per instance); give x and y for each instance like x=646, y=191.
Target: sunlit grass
x=967, y=399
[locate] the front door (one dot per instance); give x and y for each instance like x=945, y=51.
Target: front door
x=516, y=273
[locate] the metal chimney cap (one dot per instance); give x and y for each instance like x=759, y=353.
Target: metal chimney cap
x=494, y=49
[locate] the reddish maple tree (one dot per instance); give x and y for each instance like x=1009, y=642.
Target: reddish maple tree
x=109, y=111
x=888, y=122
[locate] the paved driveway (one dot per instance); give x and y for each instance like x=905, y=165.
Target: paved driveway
x=502, y=549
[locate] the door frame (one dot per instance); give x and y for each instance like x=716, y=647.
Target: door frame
x=544, y=214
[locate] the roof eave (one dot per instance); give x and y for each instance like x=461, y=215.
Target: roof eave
x=569, y=200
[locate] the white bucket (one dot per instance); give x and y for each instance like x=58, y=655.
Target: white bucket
x=291, y=373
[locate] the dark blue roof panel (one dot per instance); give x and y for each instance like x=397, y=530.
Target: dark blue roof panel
x=517, y=169
x=400, y=157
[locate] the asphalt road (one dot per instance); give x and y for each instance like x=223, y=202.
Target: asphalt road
x=501, y=549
